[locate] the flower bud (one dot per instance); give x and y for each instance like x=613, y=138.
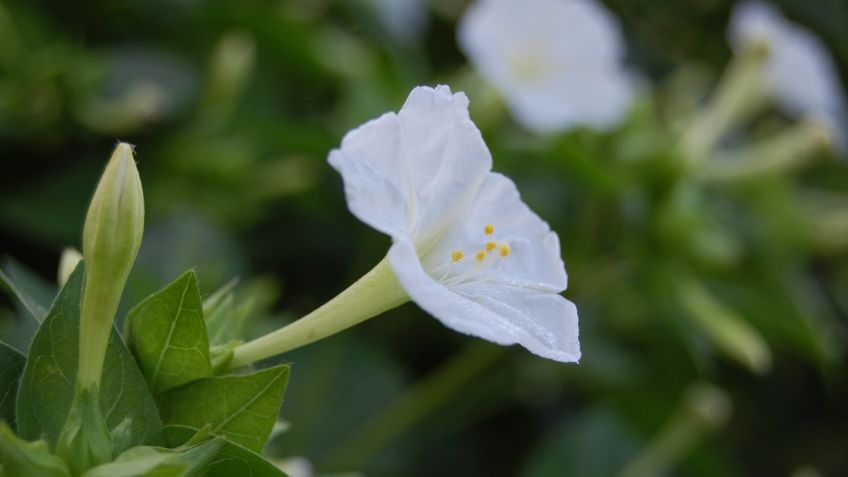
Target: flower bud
x=115, y=220
x=68, y=261
x=111, y=239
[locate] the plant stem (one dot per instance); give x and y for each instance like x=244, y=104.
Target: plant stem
x=738, y=96
x=704, y=408
x=376, y=292
x=99, y=305
x=785, y=151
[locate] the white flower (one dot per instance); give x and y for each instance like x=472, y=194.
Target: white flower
x=799, y=72
x=558, y=63
x=465, y=247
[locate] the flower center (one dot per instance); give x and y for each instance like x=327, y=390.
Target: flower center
x=459, y=269
x=529, y=66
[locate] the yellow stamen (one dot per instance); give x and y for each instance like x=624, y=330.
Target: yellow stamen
x=489, y=229
x=480, y=256
x=457, y=255
x=505, y=250
x=490, y=246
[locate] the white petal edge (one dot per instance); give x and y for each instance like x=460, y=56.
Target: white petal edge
x=368, y=161
x=543, y=323
x=412, y=173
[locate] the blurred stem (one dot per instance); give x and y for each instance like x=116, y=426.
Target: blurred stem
x=10, y=41
x=739, y=94
x=788, y=150
x=723, y=326
x=703, y=409
x=416, y=403
x=231, y=68
x=376, y=292
x=827, y=228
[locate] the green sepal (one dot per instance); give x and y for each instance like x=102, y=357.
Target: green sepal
x=225, y=320
x=85, y=442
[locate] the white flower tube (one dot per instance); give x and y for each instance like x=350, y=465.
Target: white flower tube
x=465, y=247
x=558, y=63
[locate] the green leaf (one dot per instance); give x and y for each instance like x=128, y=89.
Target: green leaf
x=241, y=408
x=33, y=293
x=27, y=459
x=47, y=386
x=232, y=459
x=11, y=367
x=168, y=335
x=145, y=461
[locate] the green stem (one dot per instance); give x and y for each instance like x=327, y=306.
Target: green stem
x=99, y=305
x=376, y=292
x=827, y=228
x=703, y=409
x=738, y=96
x=783, y=152
x=728, y=331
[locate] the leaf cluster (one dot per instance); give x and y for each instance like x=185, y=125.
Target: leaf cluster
x=168, y=411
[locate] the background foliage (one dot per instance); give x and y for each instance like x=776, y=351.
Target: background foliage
x=234, y=106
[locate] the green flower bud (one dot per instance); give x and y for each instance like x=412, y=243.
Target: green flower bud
x=111, y=238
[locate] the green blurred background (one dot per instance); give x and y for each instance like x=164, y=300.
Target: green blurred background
x=233, y=107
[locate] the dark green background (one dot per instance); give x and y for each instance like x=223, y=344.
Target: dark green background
x=237, y=184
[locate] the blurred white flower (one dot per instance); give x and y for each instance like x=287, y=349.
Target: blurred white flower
x=558, y=63
x=466, y=248
x=799, y=72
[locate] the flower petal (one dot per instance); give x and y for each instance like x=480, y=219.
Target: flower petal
x=544, y=323
x=800, y=72
x=598, y=99
x=410, y=174
x=558, y=63
x=534, y=260
x=373, y=175
x=445, y=155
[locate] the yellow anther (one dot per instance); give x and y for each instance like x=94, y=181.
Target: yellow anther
x=491, y=246
x=489, y=229
x=480, y=256
x=505, y=250
x=457, y=255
